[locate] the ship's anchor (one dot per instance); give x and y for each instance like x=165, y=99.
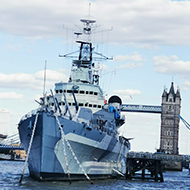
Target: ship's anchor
x=29, y=148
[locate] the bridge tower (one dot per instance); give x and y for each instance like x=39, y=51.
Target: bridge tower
x=171, y=104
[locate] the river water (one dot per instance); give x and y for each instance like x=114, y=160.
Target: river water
x=10, y=172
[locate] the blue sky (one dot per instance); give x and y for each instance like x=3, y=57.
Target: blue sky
x=149, y=43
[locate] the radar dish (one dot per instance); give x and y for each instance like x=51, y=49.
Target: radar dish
x=115, y=99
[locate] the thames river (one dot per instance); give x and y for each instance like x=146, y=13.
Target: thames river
x=11, y=171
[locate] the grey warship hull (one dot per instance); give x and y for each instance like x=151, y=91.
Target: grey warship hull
x=100, y=155
x=74, y=133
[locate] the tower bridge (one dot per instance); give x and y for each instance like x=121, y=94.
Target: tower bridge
x=141, y=108
x=170, y=111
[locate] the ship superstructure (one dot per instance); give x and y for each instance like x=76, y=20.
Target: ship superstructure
x=74, y=132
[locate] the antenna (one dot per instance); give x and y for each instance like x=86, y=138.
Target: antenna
x=44, y=78
x=89, y=10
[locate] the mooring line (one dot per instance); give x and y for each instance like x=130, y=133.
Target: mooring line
x=30, y=145
x=64, y=150
x=70, y=148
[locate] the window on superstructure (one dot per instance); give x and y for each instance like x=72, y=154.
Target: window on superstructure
x=86, y=92
x=56, y=91
x=60, y=103
x=81, y=91
x=86, y=104
x=64, y=91
x=61, y=91
x=63, y=103
x=91, y=92
x=81, y=104
x=69, y=91
x=99, y=106
x=74, y=104
x=69, y=104
x=90, y=105
x=94, y=106
x=95, y=93
x=76, y=91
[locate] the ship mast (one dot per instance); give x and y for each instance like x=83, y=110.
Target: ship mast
x=83, y=64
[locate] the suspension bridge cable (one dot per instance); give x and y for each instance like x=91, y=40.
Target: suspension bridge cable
x=185, y=122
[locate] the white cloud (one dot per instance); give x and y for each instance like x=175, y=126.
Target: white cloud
x=103, y=67
x=172, y=66
x=126, y=94
x=129, y=66
x=12, y=47
x=31, y=81
x=135, y=56
x=10, y=95
x=140, y=22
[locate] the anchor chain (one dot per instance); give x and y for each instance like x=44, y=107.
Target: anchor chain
x=29, y=148
x=64, y=150
x=70, y=148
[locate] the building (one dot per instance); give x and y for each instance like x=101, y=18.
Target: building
x=4, y=122
x=171, y=104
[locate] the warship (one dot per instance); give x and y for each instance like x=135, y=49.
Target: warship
x=73, y=134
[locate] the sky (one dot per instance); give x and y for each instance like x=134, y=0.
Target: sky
x=148, y=39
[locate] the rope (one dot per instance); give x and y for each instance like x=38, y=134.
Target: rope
x=70, y=148
x=30, y=145
x=65, y=155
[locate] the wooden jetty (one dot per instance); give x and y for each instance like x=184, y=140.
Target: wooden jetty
x=145, y=169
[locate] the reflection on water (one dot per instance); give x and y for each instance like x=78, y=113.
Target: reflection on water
x=10, y=173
